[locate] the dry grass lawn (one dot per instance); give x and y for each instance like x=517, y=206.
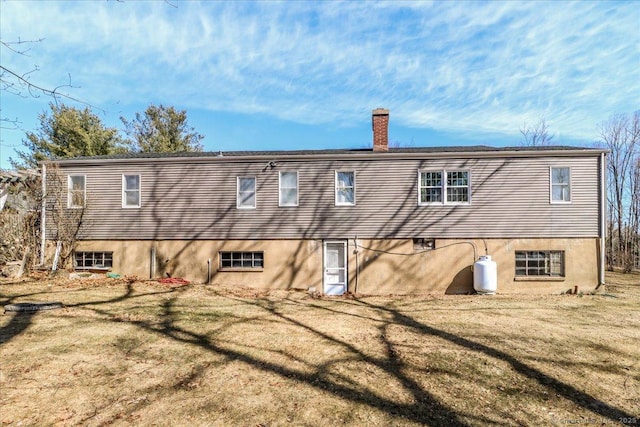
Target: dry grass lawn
x=141, y=353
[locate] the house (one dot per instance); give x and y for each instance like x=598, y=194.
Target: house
x=372, y=221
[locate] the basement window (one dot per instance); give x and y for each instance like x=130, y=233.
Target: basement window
x=241, y=260
x=539, y=263
x=93, y=260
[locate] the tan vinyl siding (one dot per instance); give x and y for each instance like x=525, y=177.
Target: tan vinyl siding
x=197, y=200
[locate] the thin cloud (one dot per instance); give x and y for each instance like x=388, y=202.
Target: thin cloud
x=449, y=66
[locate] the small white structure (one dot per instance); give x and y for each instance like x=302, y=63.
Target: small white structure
x=485, y=275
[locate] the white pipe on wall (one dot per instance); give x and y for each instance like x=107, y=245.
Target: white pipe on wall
x=152, y=264
x=43, y=229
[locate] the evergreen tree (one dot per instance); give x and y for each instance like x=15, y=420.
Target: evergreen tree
x=162, y=129
x=68, y=132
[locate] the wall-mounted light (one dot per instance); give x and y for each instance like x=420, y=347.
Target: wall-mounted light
x=272, y=164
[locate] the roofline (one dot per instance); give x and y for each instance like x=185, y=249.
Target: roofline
x=585, y=152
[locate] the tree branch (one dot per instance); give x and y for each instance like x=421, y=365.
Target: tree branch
x=20, y=52
x=32, y=88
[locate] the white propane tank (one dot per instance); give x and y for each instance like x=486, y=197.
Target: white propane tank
x=485, y=275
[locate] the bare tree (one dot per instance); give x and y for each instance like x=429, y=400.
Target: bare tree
x=64, y=222
x=634, y=217
x=621, y=135
x=20, y=218
x=20, y=221
x=536, y=135
x=20, y=83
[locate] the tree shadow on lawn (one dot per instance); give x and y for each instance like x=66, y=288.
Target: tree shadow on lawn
x=21, y=320
x=567, y=391
x=423, y=406
x=426, y=409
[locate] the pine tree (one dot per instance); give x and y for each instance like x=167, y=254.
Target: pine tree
x=162, y=129
x=68, y=132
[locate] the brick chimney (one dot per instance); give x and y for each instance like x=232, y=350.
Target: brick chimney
x=380, y=125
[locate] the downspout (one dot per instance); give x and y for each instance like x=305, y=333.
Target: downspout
x=355, y=242
x=603, y=216
x=43, y=228
x=152, y=263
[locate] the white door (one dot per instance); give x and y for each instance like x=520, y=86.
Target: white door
x=335, y=268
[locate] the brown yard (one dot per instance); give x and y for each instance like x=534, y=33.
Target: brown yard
x=126, y=352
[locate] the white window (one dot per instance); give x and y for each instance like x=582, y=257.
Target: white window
x=288, y=189
x=540, y=263
x=241, y=260
x=130, y=191
x=76, y=191
x=457, y=187
x=561, y=185
x=93, y=260
x=431, y=187
x=246, y=197
x=345, y=188
x=444, y=187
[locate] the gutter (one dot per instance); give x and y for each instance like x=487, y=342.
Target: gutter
x=283, y=156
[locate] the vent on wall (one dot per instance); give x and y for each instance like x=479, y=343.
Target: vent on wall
x=421, y=244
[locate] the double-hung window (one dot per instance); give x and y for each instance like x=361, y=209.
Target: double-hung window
x=457, y=187
x=288, y=184
x=345, y=188
x=76, y=191
x=130, y=191
x=431, y=187
x=561, y=185
x=444, y=187
x=246, y=197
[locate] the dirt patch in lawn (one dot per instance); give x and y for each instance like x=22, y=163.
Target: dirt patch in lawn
x=133, y=352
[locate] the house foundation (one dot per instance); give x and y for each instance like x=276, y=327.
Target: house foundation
x=370, y=266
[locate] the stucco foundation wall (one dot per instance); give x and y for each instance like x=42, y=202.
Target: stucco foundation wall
x=448, y=268
x=384, y=266
x=288, y=264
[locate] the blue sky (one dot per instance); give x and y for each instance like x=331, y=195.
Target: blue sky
x=306, y=75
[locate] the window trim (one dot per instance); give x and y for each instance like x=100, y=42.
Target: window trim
x=255, y=193
x=280, y=188
x=335, y=186
x=70, y=192
x=444, y=187
x=124, y=191
x=237, y=268
x=541, y=277
x=560, y=202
